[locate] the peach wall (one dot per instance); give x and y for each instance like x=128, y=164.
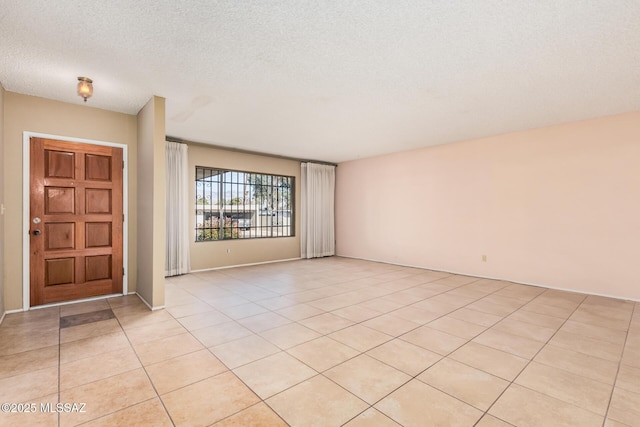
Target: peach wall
x=557, y=207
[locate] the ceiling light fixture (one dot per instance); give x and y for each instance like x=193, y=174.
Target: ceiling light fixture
x=85, y=87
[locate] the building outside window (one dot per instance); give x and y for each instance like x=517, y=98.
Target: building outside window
x=242, y=205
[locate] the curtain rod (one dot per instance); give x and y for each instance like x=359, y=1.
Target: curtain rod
x=240, y=150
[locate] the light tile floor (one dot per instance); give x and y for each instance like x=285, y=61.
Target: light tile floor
x=328, y=342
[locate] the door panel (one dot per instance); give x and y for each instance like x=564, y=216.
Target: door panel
x=76, y=220
x=98, y=168
x=98, y=267
x=59, y=200
x=98, y=201
x=59, y=235
x=59, y=164
x=98, y=234
x=59, y=271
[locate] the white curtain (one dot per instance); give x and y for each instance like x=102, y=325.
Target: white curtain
x=177, y=207
x=317, y=226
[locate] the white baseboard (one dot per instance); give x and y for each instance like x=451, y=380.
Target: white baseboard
x=498, y=278
x=152, y=308
x=245, y=265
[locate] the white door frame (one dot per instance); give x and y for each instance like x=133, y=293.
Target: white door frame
x=26, y=208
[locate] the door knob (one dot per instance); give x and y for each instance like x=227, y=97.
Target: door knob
x=36, y=232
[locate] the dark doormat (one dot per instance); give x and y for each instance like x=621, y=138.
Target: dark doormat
x=81, y=319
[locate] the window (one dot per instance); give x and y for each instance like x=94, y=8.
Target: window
x=242, y=205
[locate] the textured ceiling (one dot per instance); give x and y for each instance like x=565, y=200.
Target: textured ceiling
x=331, y=80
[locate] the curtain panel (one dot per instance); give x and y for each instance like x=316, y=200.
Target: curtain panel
x=317, y=238
x=177, y=209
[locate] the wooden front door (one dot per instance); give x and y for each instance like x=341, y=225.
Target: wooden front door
x=76, y=220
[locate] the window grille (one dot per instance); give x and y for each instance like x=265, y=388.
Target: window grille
x=242, y=205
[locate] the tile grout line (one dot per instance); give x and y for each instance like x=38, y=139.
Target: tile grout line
x=145, y=372
x=392, y=337
x=228, y=370
x=532, y=359
x=414, y=377
x=59, y=362
x=304, y=363
x=141, y=365
x=486, y=412
x=615, y=381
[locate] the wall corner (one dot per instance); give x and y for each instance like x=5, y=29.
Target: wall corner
x=151, y=202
